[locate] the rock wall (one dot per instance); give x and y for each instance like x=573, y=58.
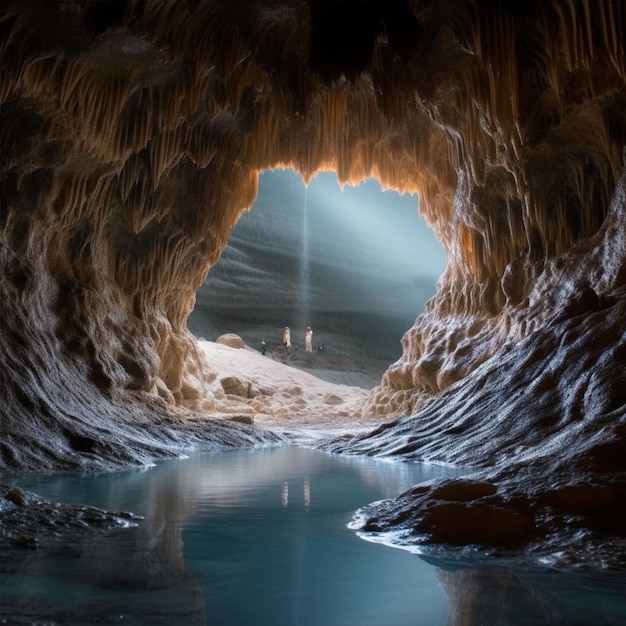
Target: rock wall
x=133, y=133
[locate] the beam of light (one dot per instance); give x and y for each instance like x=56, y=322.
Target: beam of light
x=323, y=247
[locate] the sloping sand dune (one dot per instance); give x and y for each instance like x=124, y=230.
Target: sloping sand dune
x=251, y=386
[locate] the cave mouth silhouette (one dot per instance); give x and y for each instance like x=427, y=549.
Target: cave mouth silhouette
x=355, y=261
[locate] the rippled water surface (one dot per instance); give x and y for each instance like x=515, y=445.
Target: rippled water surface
x=260, y=538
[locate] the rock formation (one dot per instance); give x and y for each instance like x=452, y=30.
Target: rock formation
x=132, y=136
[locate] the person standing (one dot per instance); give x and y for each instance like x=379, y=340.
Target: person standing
x=287, y=338
x=263, y=347
x=308, y=339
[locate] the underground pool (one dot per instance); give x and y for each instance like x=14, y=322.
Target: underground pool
x=262, y=537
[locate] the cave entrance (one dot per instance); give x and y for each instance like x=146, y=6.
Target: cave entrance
x=357, y=264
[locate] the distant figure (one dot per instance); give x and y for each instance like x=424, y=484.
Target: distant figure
x=308, y=338
x=263, y=346
x=287, y=338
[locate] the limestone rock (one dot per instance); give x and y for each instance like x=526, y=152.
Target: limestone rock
x=236, y=386
x=231, y=339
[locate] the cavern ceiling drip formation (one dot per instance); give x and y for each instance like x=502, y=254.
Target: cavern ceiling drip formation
x=133, y=134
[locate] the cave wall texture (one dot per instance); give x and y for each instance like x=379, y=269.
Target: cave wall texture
x=133, y=133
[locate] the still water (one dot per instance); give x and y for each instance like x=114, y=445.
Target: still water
x=260, y=538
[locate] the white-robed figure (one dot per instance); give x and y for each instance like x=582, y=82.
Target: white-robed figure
x=287, y=337
x=308, y=339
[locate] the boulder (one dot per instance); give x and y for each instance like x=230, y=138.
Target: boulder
x=231, y=339
x=234, y=386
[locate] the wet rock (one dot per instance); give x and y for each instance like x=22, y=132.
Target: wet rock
x=15, y=496
x=29, y=521
x=30, y=543
x=457, y=512
x=480, y=523
x=596, y=506
x=463, y=490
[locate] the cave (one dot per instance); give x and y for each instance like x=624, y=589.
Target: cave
x=132, y=137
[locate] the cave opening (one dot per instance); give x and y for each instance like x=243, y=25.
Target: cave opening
x=356, y=262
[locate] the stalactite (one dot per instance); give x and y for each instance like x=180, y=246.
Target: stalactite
x=507, y=120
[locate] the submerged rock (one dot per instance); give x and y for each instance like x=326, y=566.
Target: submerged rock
x=29, y=521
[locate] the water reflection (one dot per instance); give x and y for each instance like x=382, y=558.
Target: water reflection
x=260, y=537
x=519, y=594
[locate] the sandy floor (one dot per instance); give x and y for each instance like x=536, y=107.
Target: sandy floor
x=357, y=349
x=267, y=391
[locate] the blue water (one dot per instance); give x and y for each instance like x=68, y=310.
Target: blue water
x=260, y=538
